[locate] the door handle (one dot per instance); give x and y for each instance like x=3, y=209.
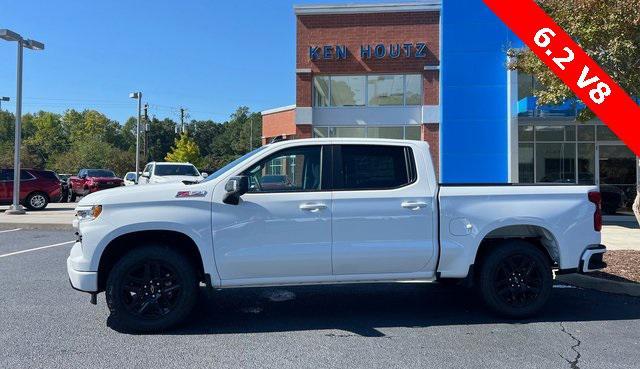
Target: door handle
x=414, y=205
x=312, y=207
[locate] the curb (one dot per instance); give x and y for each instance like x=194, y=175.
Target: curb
x=599, y=284
x=38, y=226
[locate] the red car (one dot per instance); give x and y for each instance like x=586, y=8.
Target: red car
x=37, y=188
x=91, y=180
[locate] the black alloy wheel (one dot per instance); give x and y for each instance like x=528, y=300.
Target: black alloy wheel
x=151, y=288
x=515, y=279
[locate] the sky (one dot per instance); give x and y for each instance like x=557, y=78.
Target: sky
x=208, y=56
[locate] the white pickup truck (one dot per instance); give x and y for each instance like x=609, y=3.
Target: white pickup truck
x=349, y=210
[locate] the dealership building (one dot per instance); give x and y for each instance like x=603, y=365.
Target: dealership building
x=437, y=71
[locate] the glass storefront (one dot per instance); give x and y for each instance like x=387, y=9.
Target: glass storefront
x=394, y=132
x=580, y=153
x=367, y=90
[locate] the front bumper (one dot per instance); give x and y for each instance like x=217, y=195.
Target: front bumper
x=80, y=280
x=592, y=259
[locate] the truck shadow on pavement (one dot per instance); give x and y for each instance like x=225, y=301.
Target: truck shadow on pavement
x=360, y=310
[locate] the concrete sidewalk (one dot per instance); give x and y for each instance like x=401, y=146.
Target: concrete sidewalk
x=55, y=216
x=616, y=235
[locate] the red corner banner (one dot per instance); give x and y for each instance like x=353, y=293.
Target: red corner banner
x=573, y=66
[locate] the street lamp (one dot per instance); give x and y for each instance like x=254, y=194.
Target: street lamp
x=3, y=98
x=8, y=35
x=137, y=95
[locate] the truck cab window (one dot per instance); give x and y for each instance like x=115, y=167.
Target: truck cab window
x=290, y=170
x=369, y=167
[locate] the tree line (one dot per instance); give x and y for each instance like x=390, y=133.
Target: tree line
x=89, y=139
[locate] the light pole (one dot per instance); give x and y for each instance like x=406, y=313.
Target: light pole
x=8, y=35
x=137, y=95
x=3, y=98
x=250, y=135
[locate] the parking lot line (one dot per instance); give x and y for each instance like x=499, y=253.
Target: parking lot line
x=10, y=230
x=36, y=249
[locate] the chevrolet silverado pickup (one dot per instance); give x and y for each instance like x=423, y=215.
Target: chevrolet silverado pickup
x=349, y=210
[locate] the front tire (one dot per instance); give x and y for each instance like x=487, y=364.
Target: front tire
x=151, y=289
x=515, y=279
x=37, y=201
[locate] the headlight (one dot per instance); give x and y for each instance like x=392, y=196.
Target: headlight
x=88, y=212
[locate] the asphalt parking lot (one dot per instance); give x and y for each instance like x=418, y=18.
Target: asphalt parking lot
x=46, y=324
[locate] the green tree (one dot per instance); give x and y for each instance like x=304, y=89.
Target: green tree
x=47, y=136
x=7, y=125
x=609, y=31
x=234, y=139
x=185, y=149
x=161, y=137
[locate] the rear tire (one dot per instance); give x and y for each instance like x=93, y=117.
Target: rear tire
x=515, y=279
x=36, y=201
x=151, y=289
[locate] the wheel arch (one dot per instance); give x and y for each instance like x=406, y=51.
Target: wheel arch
x=121, y=245
x=537, y=235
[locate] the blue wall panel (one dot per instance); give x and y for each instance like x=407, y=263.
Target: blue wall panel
x=474, y=124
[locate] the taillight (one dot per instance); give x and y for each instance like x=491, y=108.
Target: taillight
x=596, y=198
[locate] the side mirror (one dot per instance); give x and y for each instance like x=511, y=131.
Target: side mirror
x=146, y=174
x=83, y=176
x=204, y=174
x=235, y=187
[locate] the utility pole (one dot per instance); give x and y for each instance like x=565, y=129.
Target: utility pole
x=250, y=135
x=182, y=119
x=138, y=96
x=145, y=148
x=8, y=35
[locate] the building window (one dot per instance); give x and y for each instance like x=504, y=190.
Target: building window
x=412, y=133
x=392, y=132
x=370, y=90
x=350, y=132
x=413, y=89
x=385, y=132
x=320, y=132
x=385, y=90
x=556, y=163
x=321, y=91
x=525, y=163
x=560, y=153
x=347, y=90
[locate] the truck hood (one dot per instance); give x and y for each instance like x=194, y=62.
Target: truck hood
x=139, y=194
x=105, y=179
x=163, y=179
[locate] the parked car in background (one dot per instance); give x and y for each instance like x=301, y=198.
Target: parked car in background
x=37, y=188
x=91, y=180
x=129, y=178
x=161, y=172
x=64, y=185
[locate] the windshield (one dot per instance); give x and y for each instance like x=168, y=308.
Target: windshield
x=176, y=170
x=222, y=170
x=99, y=173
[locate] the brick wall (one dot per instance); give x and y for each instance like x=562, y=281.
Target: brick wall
x=354, y=30
x=278, y=124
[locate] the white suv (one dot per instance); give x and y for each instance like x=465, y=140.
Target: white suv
x=160, y=172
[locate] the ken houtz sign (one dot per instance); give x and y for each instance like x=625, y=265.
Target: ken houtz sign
x=379, y=51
